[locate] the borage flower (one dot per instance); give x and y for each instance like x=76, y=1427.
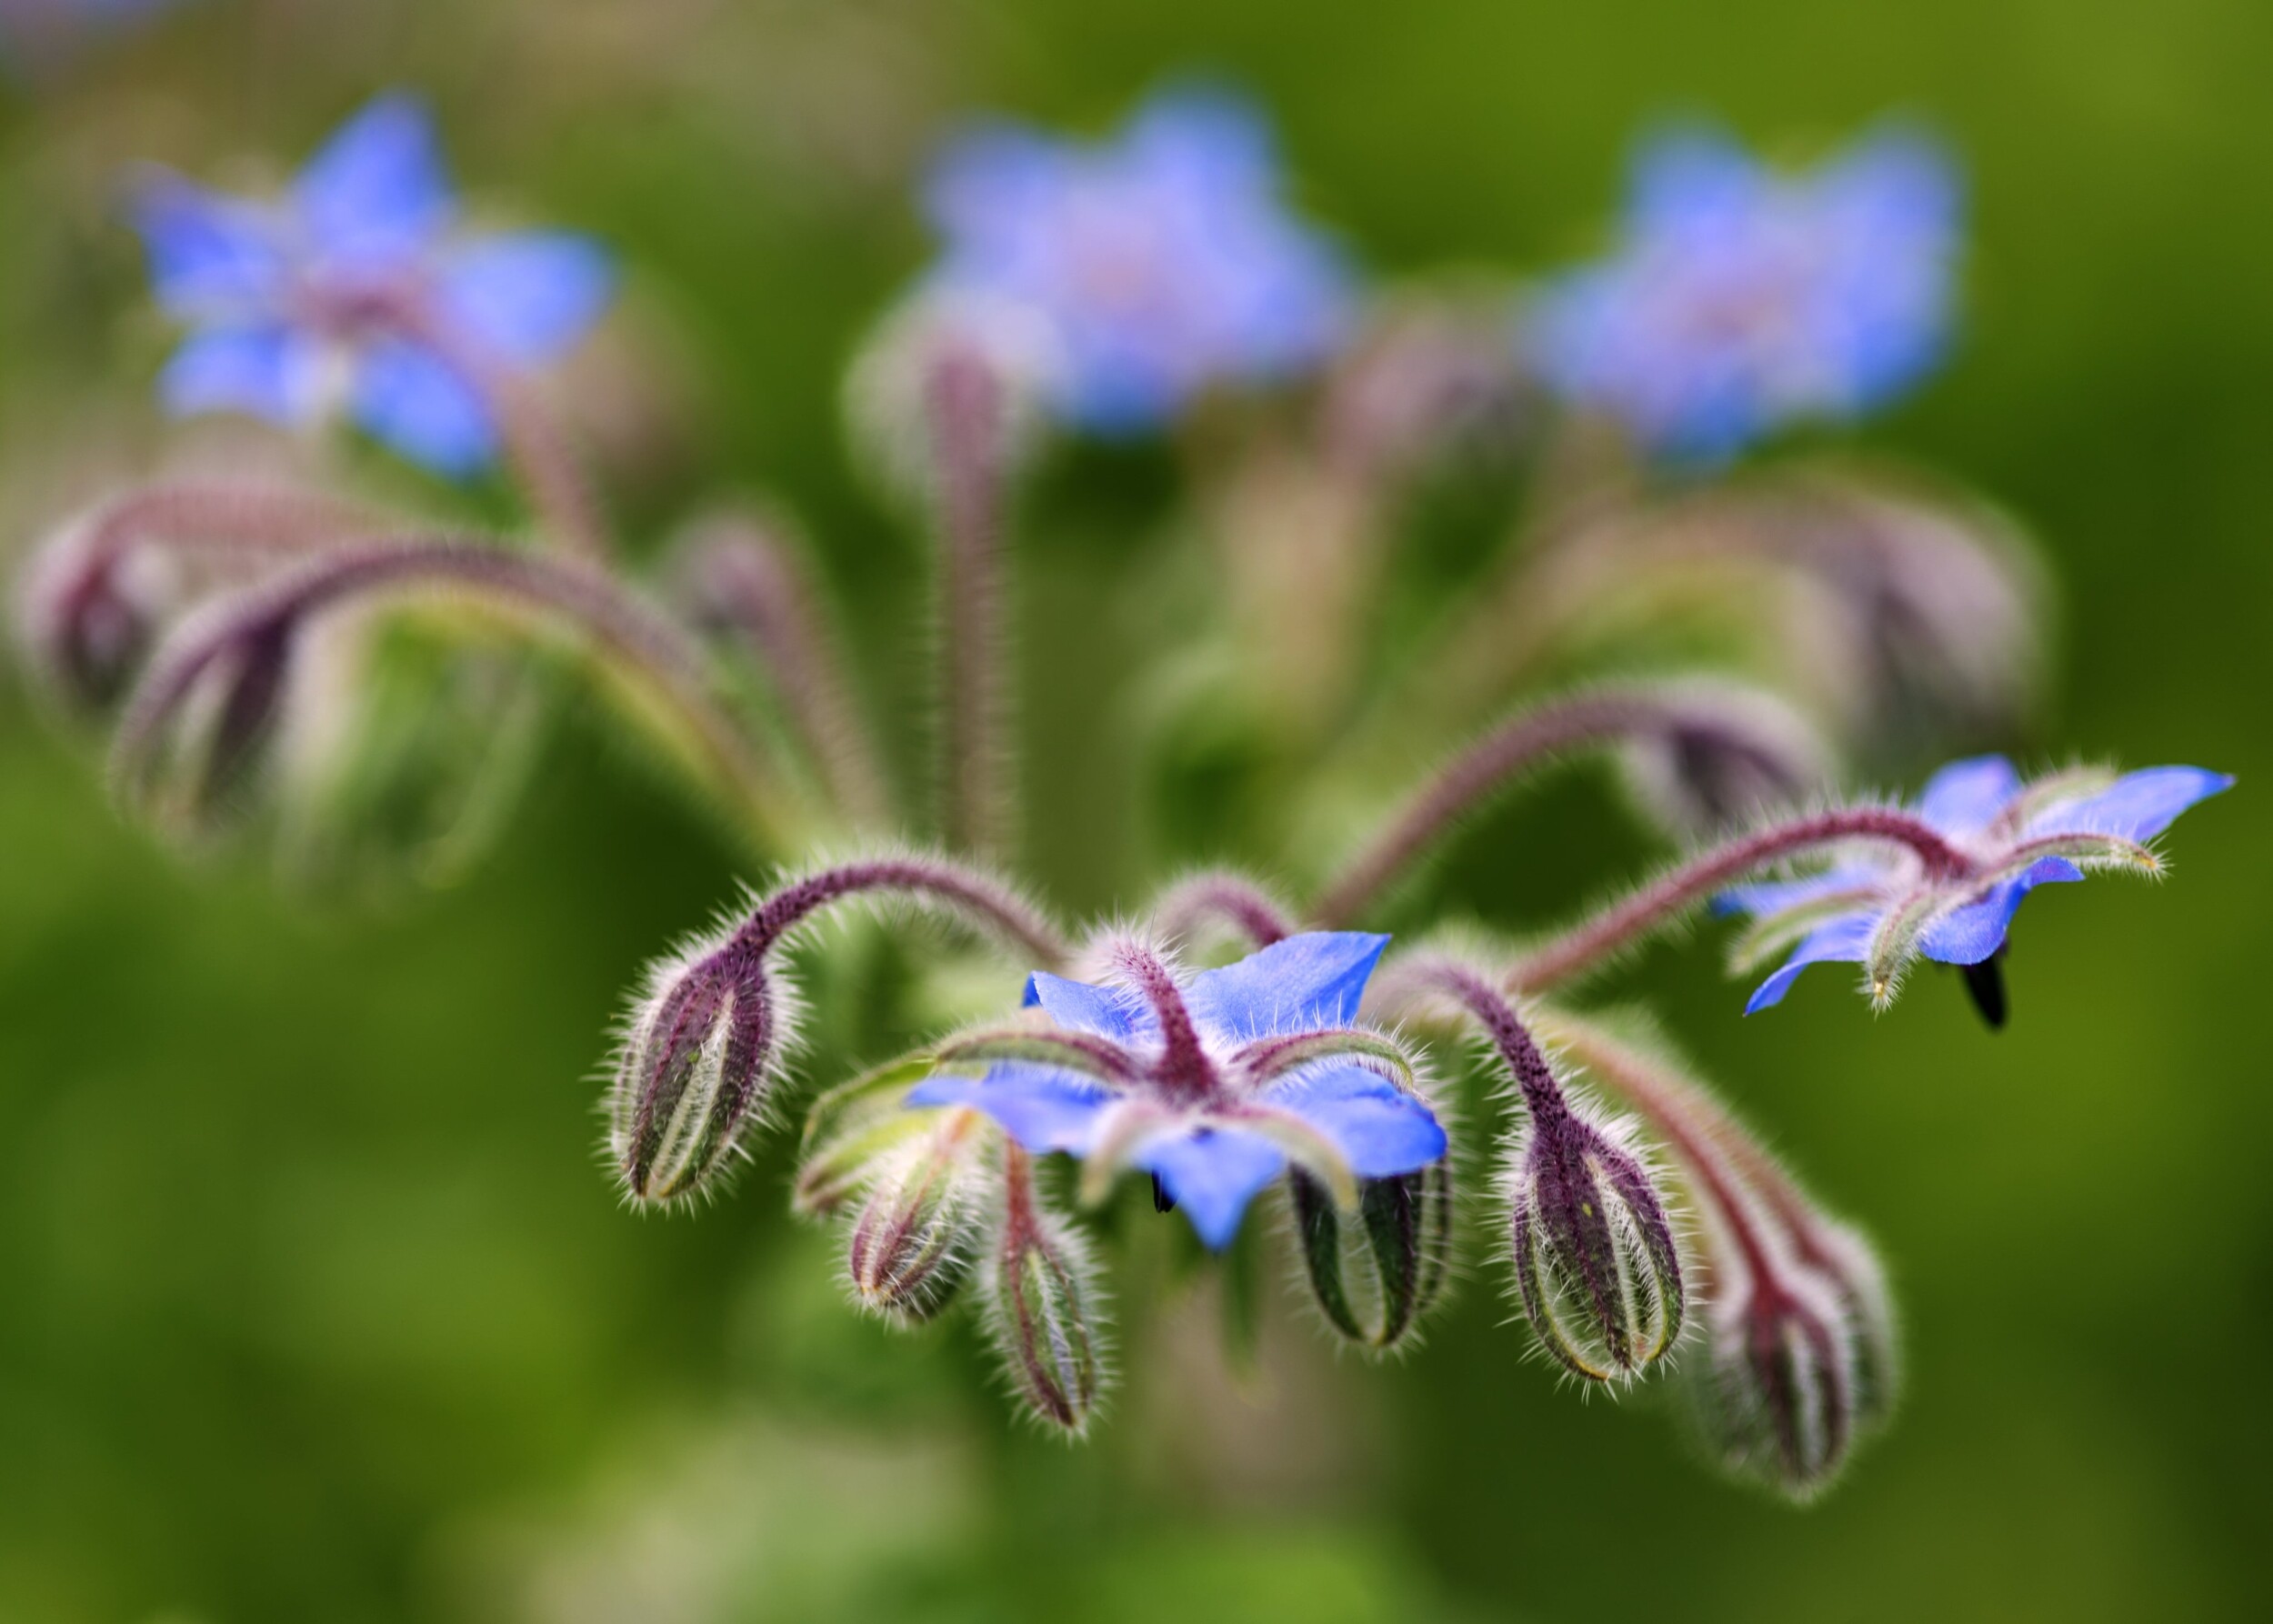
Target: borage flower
x=2003, y=838
x=1213, y=1083
x=1742, y=299
x=354, y=291
x=1164, y=262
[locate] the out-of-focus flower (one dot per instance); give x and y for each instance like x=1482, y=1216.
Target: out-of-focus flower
x=355, y=292
x=1211, y=1082
x=1742, y=299
x=2004, y=839
x=1165, y=260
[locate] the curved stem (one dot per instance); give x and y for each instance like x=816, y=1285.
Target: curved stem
x=1504, y=754
x=968, y=893
x=1220, y=894
x=221, y=516
x=1665, y=899
x=1449, y=977
x=749, y=582
x=597, y=603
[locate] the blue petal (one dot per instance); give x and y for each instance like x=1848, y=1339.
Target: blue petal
x=1112, y=1012
x=1965, y=796
x=1688, y=176
x=207, y=253
x=1041, y=1107
x=1773, y=897
x=2137, y=807
x=528, y=296
x=1380, y=1129
x=1304, y=982
x=1971, y=934
x=377, y=192
x=1213, y=1173
x=268, y=371
x=411, y=398
x=1845, y=938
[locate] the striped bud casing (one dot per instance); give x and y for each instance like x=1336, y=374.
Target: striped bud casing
x=1597, y=1266
x=200, y=767
x=917, y=1237
x=697, y=1064
x=88, y=617
x=1043, y=1306
x=1373, y=1273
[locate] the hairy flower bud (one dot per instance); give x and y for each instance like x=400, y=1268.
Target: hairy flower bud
x=696, y=1063
x=87, y=617
x=1726, y=754
x=1374, y=1273
x=915, y=1239
x=189, y=760
x=1597, y=1266
x=926, y=355
x=1043, y=1306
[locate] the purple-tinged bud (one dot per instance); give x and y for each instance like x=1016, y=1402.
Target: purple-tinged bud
x=1725, y=755
x=1373, y=1274
x=697, y=1062
x=924, y=1222
x=88, y=617
x=1596, y=1266
x=1043, y=1306
x=193, y=761
x=1432, y=375
x=938, y=345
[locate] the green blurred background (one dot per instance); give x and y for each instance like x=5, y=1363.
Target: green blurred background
x=312, y=1303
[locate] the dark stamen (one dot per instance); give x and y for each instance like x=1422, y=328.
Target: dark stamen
x=1161, y=1200
x=1986, y=982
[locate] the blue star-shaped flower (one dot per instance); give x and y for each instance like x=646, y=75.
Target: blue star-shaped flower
x=1743, y=299
x=2009, y=836
x=1211, y=1082
x=354, y=291
x=1163, y=262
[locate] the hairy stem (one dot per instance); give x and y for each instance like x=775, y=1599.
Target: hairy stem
x=1502, y=757
x=1665, y=899
x=965, y=407
x=968, y=893
x=1222, y=895
x=1448, y=977
x=748, y=580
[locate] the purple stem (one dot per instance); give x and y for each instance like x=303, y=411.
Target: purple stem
x=1498, y=759
x=1233, y=899
x=1542, y=1095
x=751, y=582
x=964, y=402
x=595, y=600
x=1665, y=899
x=968, y=893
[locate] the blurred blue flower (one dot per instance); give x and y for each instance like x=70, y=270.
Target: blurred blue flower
x=1742, y=299
x=1883, y=911
x=1211, y=1082
x=355, y=292
x=1164, y=261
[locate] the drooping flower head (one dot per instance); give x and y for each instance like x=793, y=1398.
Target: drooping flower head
x=1213, y=1083
x=1165, y=260
x=355, y=292
x=1741, y=299
x=2004, y=837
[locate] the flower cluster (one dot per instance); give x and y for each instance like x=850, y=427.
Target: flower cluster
x=1282, y=1077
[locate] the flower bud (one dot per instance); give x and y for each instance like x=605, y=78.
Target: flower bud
x=88, y=617
x=989, y=359
x=1726, y=755
x=1373, y=1274
x=193, y=762
x=1043, y=1309
x=917, y=1237
x=697, y=1062
x=1597, y=1266
x=1802, y=1355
